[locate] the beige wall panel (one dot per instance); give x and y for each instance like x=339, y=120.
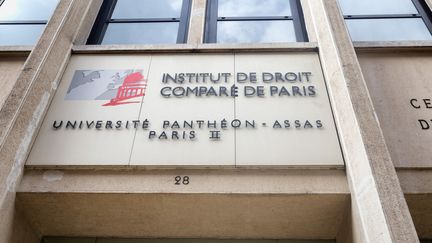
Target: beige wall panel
x=394, y=79
x=201, y=150
x=417, y=186
x=67, y=146
x=14, y=227
x=22, y=231
x=297, y=146
x=214, y=181
x=9, y=70
x=258, y=216
x=421, y=212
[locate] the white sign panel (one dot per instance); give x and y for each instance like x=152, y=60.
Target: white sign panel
x=189, y=110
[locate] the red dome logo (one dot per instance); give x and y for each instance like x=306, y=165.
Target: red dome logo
x=134, y=85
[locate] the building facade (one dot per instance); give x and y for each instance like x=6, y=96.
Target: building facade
x=216, y=120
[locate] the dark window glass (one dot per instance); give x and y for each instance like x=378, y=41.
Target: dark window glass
x=141, y=22
x=254, y=21
x=387, y=20
x=21, y=23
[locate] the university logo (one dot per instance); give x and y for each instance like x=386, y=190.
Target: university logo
x=118, y=87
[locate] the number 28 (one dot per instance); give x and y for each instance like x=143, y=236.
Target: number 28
x=181, y=180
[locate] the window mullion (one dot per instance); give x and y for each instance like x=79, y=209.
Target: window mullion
x=211, y=21
x=101, y=23
x=184, y=23
x=299, y=25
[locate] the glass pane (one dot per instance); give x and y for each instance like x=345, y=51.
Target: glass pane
x=27, y=10
x=388, y=29
x=20, y=34
x=253, y=8
x=147, y=9
x=141, y=33
x=366, y=7
x=255, y=31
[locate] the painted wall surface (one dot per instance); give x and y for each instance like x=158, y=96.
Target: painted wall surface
x=9, y=70
x=401, y=90
x=190, y=110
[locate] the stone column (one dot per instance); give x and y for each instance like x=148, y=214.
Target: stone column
x=24, y=108
x=379, y=211
x=429, y=3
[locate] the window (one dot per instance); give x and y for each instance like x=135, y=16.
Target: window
x=387, y=20
x=141, y=22
x=254, y=21
x=22, y=23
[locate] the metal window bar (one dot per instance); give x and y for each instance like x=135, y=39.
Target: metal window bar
x=149, y=20
x=383, y=16
x=254, y=18
x=212, y=18
x=107, y=9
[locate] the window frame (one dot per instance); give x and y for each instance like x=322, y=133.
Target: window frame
x=423, y=13
x=212, y=19
x=103, y=19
